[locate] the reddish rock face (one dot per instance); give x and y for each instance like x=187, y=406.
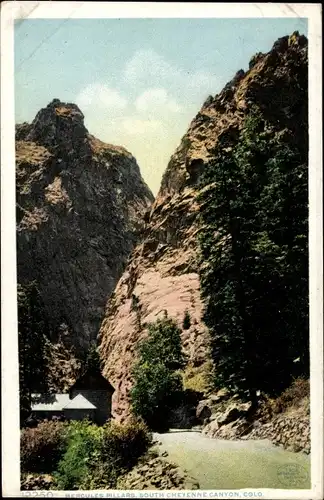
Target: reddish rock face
x=163, y=271
x=80, y=208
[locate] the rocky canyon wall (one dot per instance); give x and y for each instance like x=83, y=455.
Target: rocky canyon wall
x=80, y=208
x=163, y=271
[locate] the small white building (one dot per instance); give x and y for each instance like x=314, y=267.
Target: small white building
x=89, y=397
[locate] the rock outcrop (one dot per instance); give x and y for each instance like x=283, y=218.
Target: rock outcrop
x=163, y=272
x=284, y=420
x=80, y=209
x=290, y=430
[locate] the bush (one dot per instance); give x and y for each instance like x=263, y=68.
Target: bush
x=100, y=475
x=96, y=456
x=293, y=395
x=125, y=443
x=198, y=378
x=155, y=393
x=84, y=442
x=163, y=344
x=42, y=447
x=122, y=446
x=157, y=383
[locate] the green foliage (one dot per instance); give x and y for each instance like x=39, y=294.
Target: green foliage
x=154, y=393
x=198, y=378
x=42, y=447
x=186, y=321
x=121, y=447
x=163, y=345
x=96, y=456
x=32, y=343
x=254, y=271
x=83, y=444
x=156, y=380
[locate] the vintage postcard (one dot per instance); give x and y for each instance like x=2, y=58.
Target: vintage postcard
x=162, y=262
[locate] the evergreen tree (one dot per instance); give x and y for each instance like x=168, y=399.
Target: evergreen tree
x=186, y=321
x=155, y=393
x=32, y=345
x=253, y=246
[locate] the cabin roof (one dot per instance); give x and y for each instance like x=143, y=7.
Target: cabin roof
x=49, y=402
x=59, y=402
x=79, y=403
x=92, y=379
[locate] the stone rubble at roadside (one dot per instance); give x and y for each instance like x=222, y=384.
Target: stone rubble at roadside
x=37, y=482
x=159, y=474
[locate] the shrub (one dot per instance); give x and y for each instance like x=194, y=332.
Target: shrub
x=96, y=456
x=154, y=394
x=163, y=344
x=157, y=383
x=122, y=446
x=186, y=324
x=42, y=447
x=84, y=442
x=198, y=378
x=293, y=395
x=126, y=442
x=100, y=475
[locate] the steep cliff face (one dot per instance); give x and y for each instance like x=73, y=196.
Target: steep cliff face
x=163, y=271
x=80, y=208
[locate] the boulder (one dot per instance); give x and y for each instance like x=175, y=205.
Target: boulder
x=221, y=395
x=234, y=412
x=204, y=410
x=37, y=482
x=211, y=429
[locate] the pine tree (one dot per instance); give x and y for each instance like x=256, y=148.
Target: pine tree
x=253, y=245
x=186, y=321
x=32, y=345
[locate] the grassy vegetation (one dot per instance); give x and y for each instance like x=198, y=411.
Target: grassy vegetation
x=293, y=396
x=198, y=378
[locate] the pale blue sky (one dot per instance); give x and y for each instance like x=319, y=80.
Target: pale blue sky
x=139, y=82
